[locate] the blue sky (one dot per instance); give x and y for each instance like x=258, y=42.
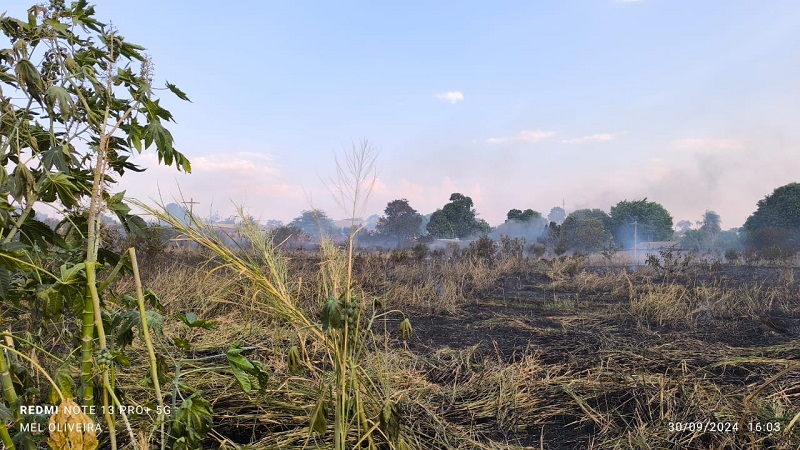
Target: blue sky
x=517, y=104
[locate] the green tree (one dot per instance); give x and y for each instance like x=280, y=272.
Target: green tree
x=653, y=222
x=400, y=221
x=776, y=221
x=528, y=224
x=523, y=216
x=587, y=230
x=705, y=237
x=456, y=219
x=76, y=101
x=711, y=223
x=316, y=224
x=288, y=236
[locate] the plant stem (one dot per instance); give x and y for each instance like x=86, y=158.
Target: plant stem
x=87, y=346
x=116, y=401
x=6, y=438
x=8, y=386
x=149, y=343
x=36, y=366
x=30, y=200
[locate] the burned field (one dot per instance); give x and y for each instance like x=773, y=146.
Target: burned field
x=561, y=354
x=507, y=351
x=518, y=352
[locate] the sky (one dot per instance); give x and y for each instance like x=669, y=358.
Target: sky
x=528, y=104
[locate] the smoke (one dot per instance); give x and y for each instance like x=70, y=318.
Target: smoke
x=531, y=230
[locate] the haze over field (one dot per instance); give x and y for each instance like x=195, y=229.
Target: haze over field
x=519, y=105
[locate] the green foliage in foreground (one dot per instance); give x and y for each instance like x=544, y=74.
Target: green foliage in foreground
x=77, y=101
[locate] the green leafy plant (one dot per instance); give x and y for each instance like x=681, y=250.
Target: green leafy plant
x=77, y=100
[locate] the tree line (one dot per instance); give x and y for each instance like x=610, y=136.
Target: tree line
x=773, y=227
x=774, y=224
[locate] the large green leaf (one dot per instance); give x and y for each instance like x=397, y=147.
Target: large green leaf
x=181, y=95
x=132, y=224
x=155, y=132
x=36, y=233
x=59, y=157
x=319, y=417
x=123, y=323
x=69, y=274
x=191, y=423
x=331, y=314
x=390, y=421
x=5, y=283
x=57, y=95
x=241, y=367
x=23, y=182
x=30, y=80
x=192, y=321
x=59, y=184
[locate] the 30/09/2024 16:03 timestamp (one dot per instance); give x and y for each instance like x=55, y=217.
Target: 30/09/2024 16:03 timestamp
x=724, y=427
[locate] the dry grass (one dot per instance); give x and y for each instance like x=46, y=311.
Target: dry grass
x=599, y=387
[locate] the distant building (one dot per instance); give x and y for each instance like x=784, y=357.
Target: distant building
x=657, y=246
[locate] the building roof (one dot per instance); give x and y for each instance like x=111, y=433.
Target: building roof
x=659, y=245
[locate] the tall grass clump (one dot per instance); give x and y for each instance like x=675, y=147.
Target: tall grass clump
x=350, y=397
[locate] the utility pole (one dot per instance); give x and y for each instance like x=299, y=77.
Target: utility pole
x=191, y=204
x=635, y=242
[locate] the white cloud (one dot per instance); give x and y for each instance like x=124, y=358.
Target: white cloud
x=599, y=137
x=708, y=144
x=238, y=164
x=523, y=136
x=451, y=97
x=219, y=182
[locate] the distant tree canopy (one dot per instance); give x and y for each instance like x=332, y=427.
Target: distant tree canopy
x=273, y=224
x=684, y=226
x=654, y=222
x=587, y=230
x=528, y=224
x=289, y=236
x=523, y=216
x=776, y=221
x=711, y=223
x=557, y=215
x=316, y=224
x=706, y=237
x=400, y=221
x=456, y=219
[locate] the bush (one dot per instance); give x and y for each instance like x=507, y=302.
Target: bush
x=775, y=253
x=420, y=251
x=732, y=255
x=537, y=250
x=484, y=248
x=511, y=247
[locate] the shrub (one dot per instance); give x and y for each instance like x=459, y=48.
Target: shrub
x=420, y=251
x=483, y=248
x=732, y=255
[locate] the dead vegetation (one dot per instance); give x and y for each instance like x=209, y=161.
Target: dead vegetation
x=515, y=353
